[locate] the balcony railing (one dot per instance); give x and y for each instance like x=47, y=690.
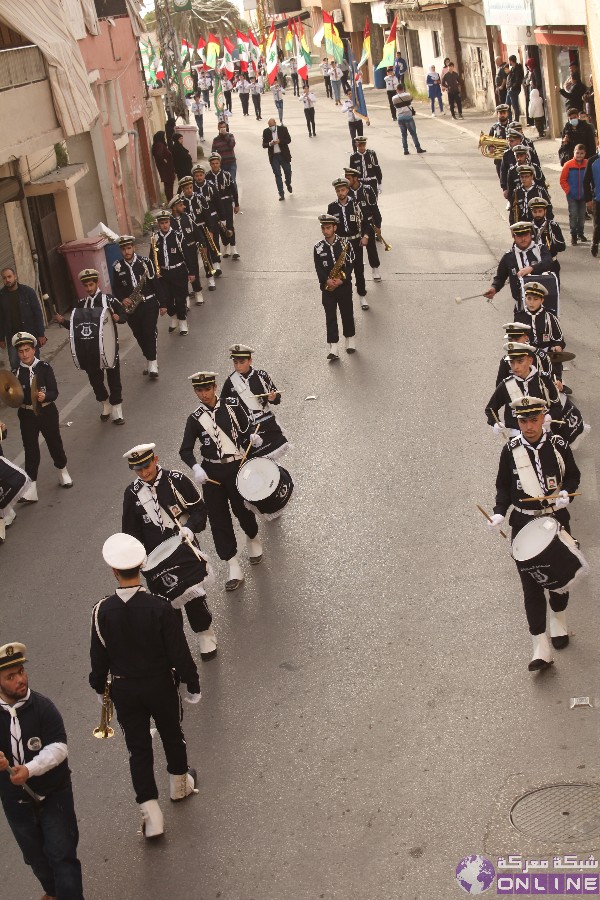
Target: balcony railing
x=21, y=65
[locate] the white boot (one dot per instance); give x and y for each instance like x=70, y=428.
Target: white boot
x=182, y=786
x=152, y=819
x=187, y=303
x=208, y=643
x=542, y=654
x=199, y=298
x=226, y=253
x=30, y=495
x=2, y=531
x=65, y=479
x=211, y=283
x=147, y=369
x=105, y=414
x=333, y=351
x=376, y=275
x=559, y=633
x=183, y=326
x=255, y=550
x=173, y=324
x=153, y=368
x=117, y=415
x=350, y=345
x=234, y=253
x=9, y=517
x=235, y=576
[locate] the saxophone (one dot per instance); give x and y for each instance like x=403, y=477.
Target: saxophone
x=136, y=297
x=154, y=245
x=338, y=269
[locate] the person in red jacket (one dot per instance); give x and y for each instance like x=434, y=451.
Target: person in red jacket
x=571, y=181
x=163, y=159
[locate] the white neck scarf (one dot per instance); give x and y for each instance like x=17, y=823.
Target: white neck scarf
x=16, y=740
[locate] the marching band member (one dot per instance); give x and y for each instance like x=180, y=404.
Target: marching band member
x=112, y=398
x=513, y=176
x=525, y=257
x=192, y=204
x=367, y=164
x=545, y=327
x=213, y=213
x=153, y=504
x=367, y=200
x=499, y=128
x=334, y=258
x=133, y=275
x=256, y=389
x=536, y=463
x=228, y=195
x=176, y=267
x=524, y=380
x=14, y=482
x=223, y=428
x=33, y=742
x=520, y=333
x=351, y=225
x=547, y=230
x=44, y=419
x=524, y=191
x=183, y=223
x=138, y=638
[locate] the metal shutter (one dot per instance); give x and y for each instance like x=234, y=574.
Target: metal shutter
x=6, y=250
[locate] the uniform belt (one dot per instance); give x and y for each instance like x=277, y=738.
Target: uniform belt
x=28, y=406
x=225, y=459
x=176, y=266
x=535, y=512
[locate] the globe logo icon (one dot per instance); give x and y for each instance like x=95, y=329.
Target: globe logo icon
x=475, y=874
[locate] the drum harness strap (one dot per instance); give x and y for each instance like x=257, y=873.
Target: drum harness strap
x=533, y=479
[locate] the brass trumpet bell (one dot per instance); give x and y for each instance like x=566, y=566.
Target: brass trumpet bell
x=102, y=732
x=491, y=147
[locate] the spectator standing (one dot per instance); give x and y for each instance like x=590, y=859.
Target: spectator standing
x=576, y=132
x=163, y=160
x=391, y=83
x=20, y=310
x=182, y=159
x=514, y=83
x=573, y=90
x=591, y=183
x=590, y=105
x=224, y=145
x=406, y=122
x=572, y=179
x=531, y=82
x=451, y=82
x=400, y=68
x=536, y=111
x=500, y=82
x=434, y=89
x=444, y=70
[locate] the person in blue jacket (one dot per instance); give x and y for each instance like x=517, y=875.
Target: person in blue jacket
x=591, y=187
x=434, y=89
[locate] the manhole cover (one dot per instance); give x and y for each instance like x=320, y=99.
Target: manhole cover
x=559, y=812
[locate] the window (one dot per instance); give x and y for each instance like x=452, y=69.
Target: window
x=437, y=44
x=415, y=47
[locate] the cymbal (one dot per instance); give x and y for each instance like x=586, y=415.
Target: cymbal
x=11, y=392
x=561, y=356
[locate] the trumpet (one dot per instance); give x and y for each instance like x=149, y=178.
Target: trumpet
x=491, y=147
x=209, y=269
x=381, y=238
x=104, y=730
x=153, y=243
x=210, y=240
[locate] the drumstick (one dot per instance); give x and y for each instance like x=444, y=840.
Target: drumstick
x=503, y=427
x=553, y=497
x=483, y=512
x=267, y=394
x=462, y=299
x=248, y=448
x=35, y=797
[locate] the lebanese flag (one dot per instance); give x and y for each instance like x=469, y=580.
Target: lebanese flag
x=254, y=51
x=243, y=50
x=201, y=50
x=271, y=55
x=227, y=65
x=300, y=60
x=186, y=48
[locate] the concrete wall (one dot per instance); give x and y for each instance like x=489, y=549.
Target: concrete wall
x=425, y=24
x=20, y=243
x=472, y=36
x=89, y=194
x=33, y=123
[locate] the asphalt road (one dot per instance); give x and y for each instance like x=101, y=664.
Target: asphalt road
x=370, y=701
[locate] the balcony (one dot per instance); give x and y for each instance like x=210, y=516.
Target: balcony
x=20, y=66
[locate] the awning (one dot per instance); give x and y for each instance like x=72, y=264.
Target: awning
x=561, y=36
x=42, y=22
x=58, y=181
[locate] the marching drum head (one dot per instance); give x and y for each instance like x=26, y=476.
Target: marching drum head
x=108, y=341
x=162, y=552
x=258, y=479
x=534, y=538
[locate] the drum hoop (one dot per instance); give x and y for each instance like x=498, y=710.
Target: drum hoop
x=535, y=525
x=252, y=464
x=151, y=563
x=105, y=320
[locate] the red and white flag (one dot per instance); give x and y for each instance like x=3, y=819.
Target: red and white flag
x=271, y=55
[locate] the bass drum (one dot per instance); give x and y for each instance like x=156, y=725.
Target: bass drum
x=266, y=487
x=547, y=554
x=13, y=484
x=172, y=568
x=93, y=339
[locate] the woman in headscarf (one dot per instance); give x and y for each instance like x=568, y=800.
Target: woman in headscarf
x=182, y=159
x=163, y=159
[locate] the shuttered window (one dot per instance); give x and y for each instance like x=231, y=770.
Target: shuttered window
x=6, y=250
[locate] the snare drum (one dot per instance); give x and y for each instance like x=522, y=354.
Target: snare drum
x=13, y=484
x=173, y=568
x=573, y=429
x=93, y=339
x=266, y=487
x=549, y=555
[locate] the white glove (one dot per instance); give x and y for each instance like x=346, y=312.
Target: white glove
x=223, y=224
x=199, y=474
x=192, y=698
x=547, y=422
x=563, y=500
x=256, y=440
x=187, y=533
x=495, y=522
x=497, y=428
x=100, y=698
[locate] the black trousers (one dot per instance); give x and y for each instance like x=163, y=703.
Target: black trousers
x=215, y=230
x=244, y=102
x=391, y=94
x=227, y=95
x=372, y=252
x=256, y=102
x=137, y=700
x=534, y=594
x=328, y=91
x=31, y=428
x=228, y=239
x=455, y=99
x=143, y=324
x=222, y=500
x=340, y=298
x=294, y=76
x=359, y=267
x=196, y=284
x=310, y=119
x=114, y=394
x=206, y=97
x=355, y=128
x=174, y=291
x=345, y=82
x=198, y=614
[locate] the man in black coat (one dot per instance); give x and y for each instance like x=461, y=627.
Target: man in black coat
x=514, y=83
x=576, y=131
x=276, y=139
x=20, y=310
x=574, y=97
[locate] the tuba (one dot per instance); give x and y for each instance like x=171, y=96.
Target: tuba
x=491, y=147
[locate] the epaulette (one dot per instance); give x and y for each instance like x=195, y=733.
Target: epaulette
x=319, y=245
x=514, y=441
x=136, y=485
x=232, y=401
x=558, y=440
x=42, y=362
x=262, y=372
